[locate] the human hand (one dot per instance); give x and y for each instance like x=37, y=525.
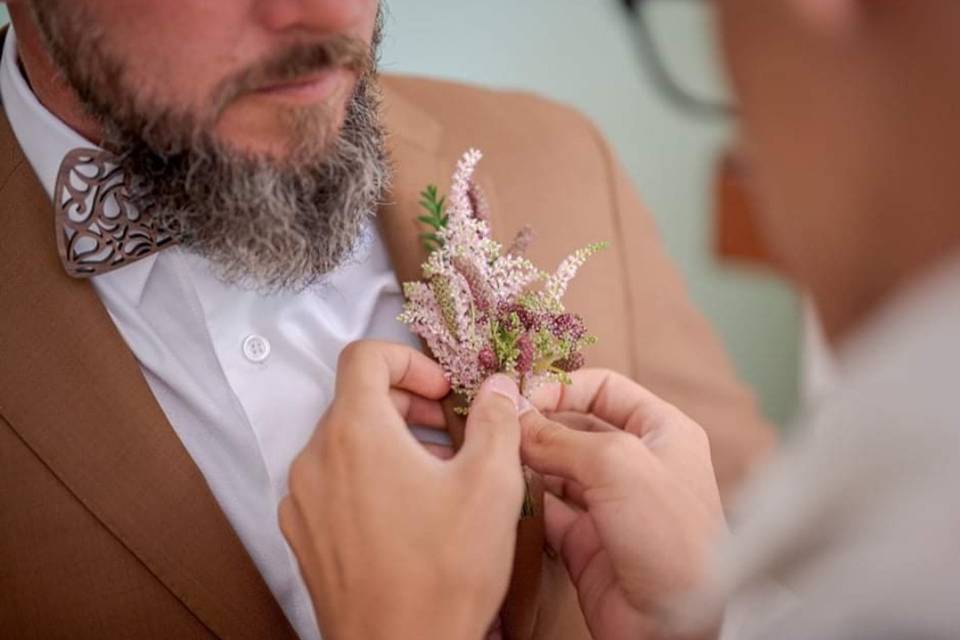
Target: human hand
x=392, y=541
x=640, y=502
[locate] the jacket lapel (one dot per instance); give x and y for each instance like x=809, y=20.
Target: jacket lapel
x=416, y=163
x=74, y=393
x=415, y=143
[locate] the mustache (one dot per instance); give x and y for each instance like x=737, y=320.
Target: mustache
x=296, y=62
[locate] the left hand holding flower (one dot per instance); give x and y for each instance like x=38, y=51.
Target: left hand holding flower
x=640, y=509
x=392, y=541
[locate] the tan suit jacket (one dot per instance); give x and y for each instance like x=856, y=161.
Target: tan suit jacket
x=108, y=528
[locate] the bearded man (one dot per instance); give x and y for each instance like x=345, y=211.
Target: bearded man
x=203, y=202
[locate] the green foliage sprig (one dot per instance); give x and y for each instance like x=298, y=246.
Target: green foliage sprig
x=436, y=217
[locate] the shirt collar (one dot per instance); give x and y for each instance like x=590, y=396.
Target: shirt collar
x=45, y=140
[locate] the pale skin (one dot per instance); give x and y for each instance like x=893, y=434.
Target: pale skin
x=848, y=122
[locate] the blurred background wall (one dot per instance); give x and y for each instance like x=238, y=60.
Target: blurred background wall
x=581, y=52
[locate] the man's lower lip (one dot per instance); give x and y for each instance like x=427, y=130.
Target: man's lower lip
x=316, y=87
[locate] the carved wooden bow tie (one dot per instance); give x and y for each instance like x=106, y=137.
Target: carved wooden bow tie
x=98, y=227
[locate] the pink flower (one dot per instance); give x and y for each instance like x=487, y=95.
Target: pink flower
x=478, y=308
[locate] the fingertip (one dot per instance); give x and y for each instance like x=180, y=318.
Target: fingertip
x=493, y=429
x=531, y=421
x=433, y=382
x=549, y=447
x=502, y=385
x=547, y=397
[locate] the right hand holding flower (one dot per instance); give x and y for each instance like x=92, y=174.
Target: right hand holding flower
x=392, y=542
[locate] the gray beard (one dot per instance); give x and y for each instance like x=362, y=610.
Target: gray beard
x=264, y=224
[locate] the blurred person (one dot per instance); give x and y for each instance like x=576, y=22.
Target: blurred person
x=854, y=530
x=188, y=194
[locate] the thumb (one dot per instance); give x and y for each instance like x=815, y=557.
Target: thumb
x=493, y=426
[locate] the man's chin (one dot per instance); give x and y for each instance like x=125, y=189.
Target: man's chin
x=284, y=136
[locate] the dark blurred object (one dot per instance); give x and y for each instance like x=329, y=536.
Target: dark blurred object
x=655, y=62
x=737, y=235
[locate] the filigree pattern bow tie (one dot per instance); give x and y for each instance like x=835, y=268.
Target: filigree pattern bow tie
x=98, y=227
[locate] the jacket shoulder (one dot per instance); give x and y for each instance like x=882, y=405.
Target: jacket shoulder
x=478, y=115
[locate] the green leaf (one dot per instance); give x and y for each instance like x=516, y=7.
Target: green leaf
x=431, y=241
x=435, y=217
x=433, y=222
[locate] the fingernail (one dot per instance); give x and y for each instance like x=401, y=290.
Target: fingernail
x=523, y=406
x=504, y=386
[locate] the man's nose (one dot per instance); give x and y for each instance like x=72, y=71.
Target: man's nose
x=314, y=16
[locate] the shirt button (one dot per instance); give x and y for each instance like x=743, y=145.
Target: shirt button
x=256, y=348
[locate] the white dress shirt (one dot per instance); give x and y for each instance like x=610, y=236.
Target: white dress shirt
x=243, y=378
x=855, y=531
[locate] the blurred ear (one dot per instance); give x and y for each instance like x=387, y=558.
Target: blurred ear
x=828, y=17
